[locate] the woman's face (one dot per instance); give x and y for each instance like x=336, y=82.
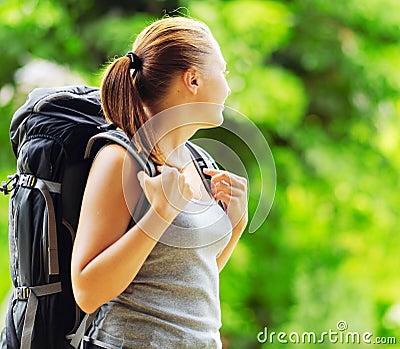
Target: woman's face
x=202, y=109
x=214, y=89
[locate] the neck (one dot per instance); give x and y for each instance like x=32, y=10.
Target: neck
x=173, y=127
x=173, y=147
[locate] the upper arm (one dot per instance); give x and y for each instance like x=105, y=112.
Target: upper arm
x=104, y=215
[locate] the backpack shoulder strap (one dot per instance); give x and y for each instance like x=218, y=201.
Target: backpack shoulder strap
x=203, y=160
x=119, y=137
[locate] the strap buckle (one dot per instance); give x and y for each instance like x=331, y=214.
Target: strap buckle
x=27, y=180
x=22, y=293
x=9, y=186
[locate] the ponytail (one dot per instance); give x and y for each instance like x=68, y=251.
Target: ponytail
x=122, y=104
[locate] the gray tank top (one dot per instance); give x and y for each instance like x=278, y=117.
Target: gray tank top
x=173, y=302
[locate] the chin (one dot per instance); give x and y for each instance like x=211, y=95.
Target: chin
x=219, y=119
x=216, y=117
x=209, y=115
x=214, y=121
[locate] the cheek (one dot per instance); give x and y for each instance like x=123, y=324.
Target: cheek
x=216, y=90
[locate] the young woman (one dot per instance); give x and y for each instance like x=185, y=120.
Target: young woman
x=156, y=281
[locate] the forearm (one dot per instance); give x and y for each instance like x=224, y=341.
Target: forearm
x=228, y=250
x=112, y=270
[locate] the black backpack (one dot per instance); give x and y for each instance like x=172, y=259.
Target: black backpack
x=51, y=135
x=55, y=136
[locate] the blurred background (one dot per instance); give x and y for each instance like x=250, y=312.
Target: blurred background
x=321, y=80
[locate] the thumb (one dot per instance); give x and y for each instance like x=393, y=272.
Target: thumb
x=141, y=175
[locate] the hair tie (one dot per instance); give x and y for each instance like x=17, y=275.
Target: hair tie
x=136, y=62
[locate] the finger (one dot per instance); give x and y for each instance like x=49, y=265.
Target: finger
x=223, y=186
x=182, y=178
x=222, y=176
x=238, y=186
x=229, y=190
x=231, y=178
x=141, y=176
x=166, y=168
x=211, y=171
x=224, y=197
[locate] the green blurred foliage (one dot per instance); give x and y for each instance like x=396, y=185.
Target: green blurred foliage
x=321, y=79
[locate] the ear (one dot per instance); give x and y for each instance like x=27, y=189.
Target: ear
x=191, y=80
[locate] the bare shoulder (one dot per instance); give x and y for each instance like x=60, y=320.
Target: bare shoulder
x=110, y=155
x=111, y=185
x=113, y=160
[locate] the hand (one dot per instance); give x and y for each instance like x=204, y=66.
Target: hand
x=168, y=193
x=231, y=189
